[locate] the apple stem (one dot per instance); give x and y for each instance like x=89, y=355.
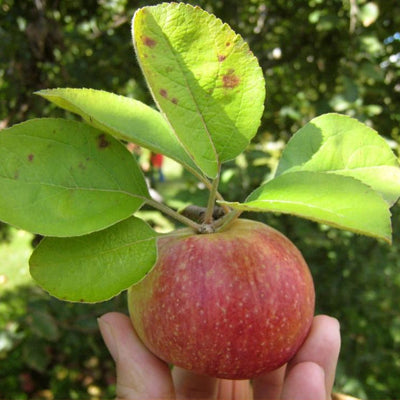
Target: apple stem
x=174, y=214
x=208, y=216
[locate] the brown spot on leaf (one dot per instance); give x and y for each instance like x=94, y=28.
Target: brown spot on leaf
x=228, y=44
x=230, y=80
x=221, y=57
x=16, y=175
x=149, y=42
x=31, y=157
x=164, y=93
x=102, y=141
x=82, y=166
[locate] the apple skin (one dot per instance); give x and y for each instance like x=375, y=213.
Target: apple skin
x=232, y=304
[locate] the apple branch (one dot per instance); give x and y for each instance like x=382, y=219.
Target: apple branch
x=196, y=213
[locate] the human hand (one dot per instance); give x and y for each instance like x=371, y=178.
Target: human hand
x=141, y=375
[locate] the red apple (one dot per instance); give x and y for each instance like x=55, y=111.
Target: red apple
x=231, y=304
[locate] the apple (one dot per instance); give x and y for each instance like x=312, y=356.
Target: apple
x=232, y=304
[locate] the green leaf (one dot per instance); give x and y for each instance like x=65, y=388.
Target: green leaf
x=336, y=200
x=342, y=145
x=97, y=266
x=65, y=178
x=203, y=77
x=122, y=117
x=35, y=354
x=44, y=325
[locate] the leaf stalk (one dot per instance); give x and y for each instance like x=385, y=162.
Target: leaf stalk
x=208, y=217
x=227, y=219
x=174, y=214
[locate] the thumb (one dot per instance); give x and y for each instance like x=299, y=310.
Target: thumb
x=140, y=375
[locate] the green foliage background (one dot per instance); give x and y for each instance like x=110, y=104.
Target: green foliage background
x=317, y=56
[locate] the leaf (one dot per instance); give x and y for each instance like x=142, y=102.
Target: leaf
x=97, y=266
x=35, y=354
x=65, y=178
x=203, y=77
x=122, y=117
x=336, y=200
x=342, y=145
x=44, y=325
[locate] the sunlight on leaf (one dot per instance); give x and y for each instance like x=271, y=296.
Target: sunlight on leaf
x=204, y=79
x=342, y=145
x=122, y=117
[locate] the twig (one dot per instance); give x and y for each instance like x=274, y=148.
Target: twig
x=197, y=213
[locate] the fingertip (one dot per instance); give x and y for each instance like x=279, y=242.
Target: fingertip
x=140, y=374
x=114, y=318
x=327, y=321
x=328, y=329
x=322, y=347
x=305, y=381
x=106, y=324
x=323, y=342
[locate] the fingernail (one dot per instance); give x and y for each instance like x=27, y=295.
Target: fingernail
x=108, y=337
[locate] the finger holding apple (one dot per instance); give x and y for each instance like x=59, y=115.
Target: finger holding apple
x=141, y=375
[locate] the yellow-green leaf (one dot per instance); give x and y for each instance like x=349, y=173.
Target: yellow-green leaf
x=124, y=118
x=335, y=143
x=339, y=201
x=204, y=79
